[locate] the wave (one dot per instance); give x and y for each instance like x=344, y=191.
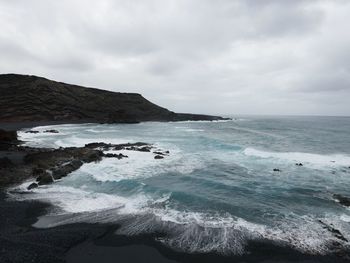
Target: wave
x=121, y=192
x=240, y=129
x=301, y=157
x=208, y=121
x=188, y=231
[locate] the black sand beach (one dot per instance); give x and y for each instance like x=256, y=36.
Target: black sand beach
x=20, y=242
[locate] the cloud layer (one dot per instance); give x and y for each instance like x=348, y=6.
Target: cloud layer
x=205, y=56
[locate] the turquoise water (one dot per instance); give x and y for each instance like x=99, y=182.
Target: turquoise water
x=216, y=190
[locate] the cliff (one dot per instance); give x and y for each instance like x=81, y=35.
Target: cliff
x=33, y=99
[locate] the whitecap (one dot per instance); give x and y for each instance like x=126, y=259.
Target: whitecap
x=301, y=157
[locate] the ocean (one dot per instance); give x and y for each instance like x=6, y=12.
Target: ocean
x=216, y=190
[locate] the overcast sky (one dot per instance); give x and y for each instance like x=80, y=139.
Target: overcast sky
x=200, y=56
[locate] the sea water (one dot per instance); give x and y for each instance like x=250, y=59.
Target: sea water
x=217, y=190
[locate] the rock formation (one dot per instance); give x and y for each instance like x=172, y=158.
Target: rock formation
x=34, y=99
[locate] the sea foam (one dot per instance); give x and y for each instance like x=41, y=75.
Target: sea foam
x=300, y=157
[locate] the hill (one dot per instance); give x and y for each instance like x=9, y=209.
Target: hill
x=26, y=98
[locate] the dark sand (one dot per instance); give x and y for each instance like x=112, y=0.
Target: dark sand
x=20, y=242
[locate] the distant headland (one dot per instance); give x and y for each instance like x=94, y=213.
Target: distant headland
x=25, y=98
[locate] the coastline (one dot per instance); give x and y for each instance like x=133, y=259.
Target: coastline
x=82, y=242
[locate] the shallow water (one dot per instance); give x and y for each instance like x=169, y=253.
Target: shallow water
x=216, y=190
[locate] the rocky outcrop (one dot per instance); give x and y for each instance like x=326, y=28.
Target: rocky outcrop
x=51, y=131
x=336, y=233
x=35, y=99
x=343, y=200
x=46, y=165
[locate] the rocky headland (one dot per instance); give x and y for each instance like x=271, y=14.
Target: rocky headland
x=26, y=98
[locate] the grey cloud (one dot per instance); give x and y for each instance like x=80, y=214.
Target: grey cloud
x=225, y=56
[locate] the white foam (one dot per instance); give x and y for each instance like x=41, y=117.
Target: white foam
x=201, y=232
x=194, y=130
x=186, y=230
x=73, y=200
x=345, y=218
x=213, y=121
x=309, y=158
x=140, y=165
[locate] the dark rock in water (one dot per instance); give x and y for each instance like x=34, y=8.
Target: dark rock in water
x=93, y=157
x=144, y=149
x=333, y=230
x=140, y=147
x=59, y=173
x=32, y=186
x=159, y=153
x=66, y=169
x=72, y=103
x=48, y=165
x=5, y=162
x=299, y=164
x=45, y=179
x=158, y=157
x=51, y=131
x=36, y=162
x=95, y=145
x=114, y=155
x=110, y=155
x=276, y=170
x=75, y=164
x=343, y=200
x=32, y=131
x=130, y=146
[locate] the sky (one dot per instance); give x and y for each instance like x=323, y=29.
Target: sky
x=289, y=57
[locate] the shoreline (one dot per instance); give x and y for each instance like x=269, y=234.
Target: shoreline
x=87, y=242
x=84, y=242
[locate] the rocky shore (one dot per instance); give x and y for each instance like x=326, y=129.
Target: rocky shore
x=46, y=165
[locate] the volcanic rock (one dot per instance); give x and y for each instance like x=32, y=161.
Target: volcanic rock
x=343, y=200
x=32, y=131
x=45, y=178
x=46, y=100
x=51, y=131
x=32, y=186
